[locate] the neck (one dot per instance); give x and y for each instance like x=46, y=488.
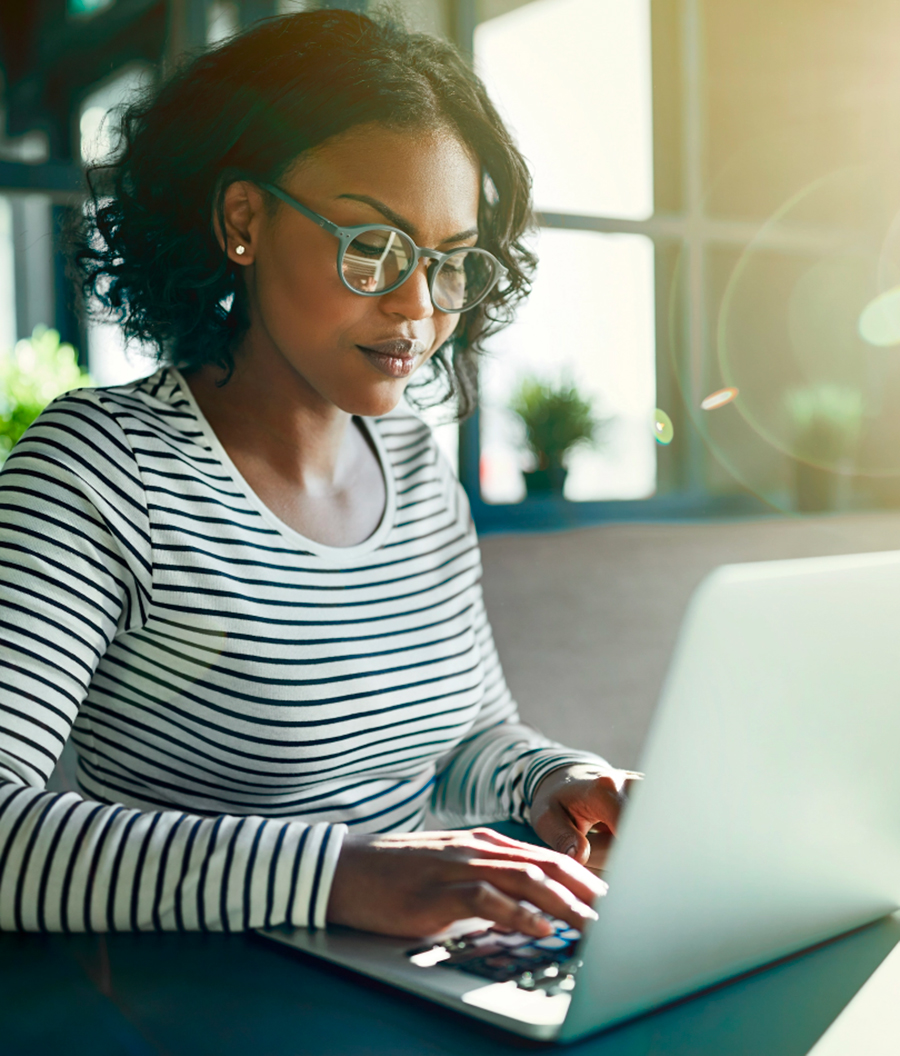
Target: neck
x=269, y=412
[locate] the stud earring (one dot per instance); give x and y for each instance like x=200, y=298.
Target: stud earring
x=240, y=250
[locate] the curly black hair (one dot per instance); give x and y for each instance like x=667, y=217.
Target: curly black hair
x=146, y=250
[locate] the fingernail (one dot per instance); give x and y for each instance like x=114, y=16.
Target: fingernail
x=585, y=912
x=542, y=924
x=570, y=850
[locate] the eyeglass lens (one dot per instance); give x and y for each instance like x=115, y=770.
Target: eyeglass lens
x=381, y=258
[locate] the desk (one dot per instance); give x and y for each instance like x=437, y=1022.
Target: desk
x=236, y=995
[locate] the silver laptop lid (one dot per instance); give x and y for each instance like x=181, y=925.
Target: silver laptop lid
x=770, y=815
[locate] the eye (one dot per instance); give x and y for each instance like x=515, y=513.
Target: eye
x=370, y=243
x=363, y=249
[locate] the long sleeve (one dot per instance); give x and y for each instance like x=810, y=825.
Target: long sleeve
x=76, y=571
x=493, y=773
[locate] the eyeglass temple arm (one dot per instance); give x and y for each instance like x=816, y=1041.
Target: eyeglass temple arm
x=331, y=228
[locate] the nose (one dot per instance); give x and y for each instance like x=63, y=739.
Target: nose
x=412, y=300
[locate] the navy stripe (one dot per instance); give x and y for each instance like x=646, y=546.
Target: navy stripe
x=74, y=858
x=161, y=872
x=204, y=870
x=48, y=865
x=217, y=673
x=248, y=876
x=111, y=816
x=26, y=861
x=185, y=872
x=138, y=873
x=295, y=874
x=273, y=868
x=226, y=875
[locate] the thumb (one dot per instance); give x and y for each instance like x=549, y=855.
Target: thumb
x=557, y=829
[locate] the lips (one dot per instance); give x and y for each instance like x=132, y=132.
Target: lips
x=397, y=347
x=397, y=357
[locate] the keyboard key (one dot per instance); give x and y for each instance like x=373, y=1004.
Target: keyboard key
x=552, y=942
x=511, y=940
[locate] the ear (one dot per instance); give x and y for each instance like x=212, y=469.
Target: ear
x=242, y=209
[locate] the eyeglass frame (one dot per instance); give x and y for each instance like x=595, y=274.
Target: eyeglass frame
x=346, y=235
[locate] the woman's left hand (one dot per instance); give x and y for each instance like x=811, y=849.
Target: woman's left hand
x=575, y=809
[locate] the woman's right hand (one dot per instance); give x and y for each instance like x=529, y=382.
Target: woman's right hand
x=418, y=883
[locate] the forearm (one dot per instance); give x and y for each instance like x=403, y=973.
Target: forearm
x=493, y=775
x=68, y=864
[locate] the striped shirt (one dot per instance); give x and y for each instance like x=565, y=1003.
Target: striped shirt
x=239, y=696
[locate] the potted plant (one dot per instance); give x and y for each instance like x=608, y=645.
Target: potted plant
x=826, y=420
x=38, y=370
x=556, y=418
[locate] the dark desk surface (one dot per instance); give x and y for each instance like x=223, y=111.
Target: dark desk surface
x=193, y=995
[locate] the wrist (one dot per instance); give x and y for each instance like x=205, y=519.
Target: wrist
x=343, y=890
x=560, y=762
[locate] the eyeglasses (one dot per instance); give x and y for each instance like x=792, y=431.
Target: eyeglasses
x=374, y=259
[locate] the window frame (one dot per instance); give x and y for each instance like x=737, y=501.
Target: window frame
x=691, y=232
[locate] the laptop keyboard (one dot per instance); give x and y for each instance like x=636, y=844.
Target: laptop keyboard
x=548, y=964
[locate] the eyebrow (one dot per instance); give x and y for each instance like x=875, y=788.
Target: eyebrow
x=399, y=221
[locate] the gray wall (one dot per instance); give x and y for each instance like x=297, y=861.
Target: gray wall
x=585, y=621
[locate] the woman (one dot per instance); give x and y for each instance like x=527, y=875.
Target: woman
x=248, y=585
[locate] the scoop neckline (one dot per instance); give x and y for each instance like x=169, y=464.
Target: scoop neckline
x=334, y=553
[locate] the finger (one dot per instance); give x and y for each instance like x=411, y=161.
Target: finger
x=582, y=883
x=527, y=882
x=601, y=844
x=497, y=839
x=599, y=804
x=566, y=870
x=479, y=898
x=565, y=834
x=599, y=798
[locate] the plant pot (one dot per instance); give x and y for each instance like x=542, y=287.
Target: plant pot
x=541, y=483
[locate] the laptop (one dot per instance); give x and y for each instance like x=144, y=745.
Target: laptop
x=768, y=820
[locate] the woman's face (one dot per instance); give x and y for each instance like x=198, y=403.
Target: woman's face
x=356, y=353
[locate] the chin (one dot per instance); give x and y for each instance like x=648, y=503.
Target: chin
x=372, y=402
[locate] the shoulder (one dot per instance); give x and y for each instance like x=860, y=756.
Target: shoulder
x=113, y=416
x=90, y=433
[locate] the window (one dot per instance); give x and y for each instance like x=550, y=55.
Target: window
x=109, y=361
x=572, y=80
x=590, y=315
x=771, y=198
x=86, y=8
x=223, y=20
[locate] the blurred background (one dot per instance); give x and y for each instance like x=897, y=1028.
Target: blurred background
x=713, y=339
x=717, y=186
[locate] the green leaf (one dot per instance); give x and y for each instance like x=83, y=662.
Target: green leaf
x=39, y=369
x=827, y=420
x=556, y=418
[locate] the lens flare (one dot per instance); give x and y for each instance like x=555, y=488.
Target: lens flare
x=719, y=398
x=811, y=348
x=879, y=321
x=663, y=429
